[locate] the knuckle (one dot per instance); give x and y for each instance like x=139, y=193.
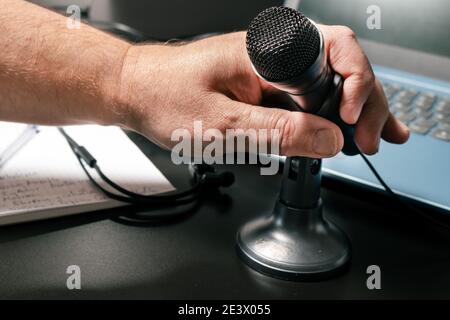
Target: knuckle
x=287, y=128
x=378, y=85
x=368, y=80
x=346, y=31
x=230, y=120
x=305, y=135
x=364, y=80
x=379, y=88
x=350, y=33
x=293, y=139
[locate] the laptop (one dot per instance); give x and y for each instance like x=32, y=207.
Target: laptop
x=411, y=56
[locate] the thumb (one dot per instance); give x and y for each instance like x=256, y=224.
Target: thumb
x=300, y=134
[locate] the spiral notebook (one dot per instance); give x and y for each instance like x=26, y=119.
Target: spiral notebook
x=44, y=179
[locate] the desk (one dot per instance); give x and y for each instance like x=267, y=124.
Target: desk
x=196, y=258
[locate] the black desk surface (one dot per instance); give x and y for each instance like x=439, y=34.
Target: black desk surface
x=196, y=258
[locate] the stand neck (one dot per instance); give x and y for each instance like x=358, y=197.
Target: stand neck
x=300, y=187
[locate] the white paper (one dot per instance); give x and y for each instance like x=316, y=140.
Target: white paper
x=9, y=131
x=46, y=175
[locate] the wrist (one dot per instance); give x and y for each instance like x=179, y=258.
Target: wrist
x=123, y=100
x=137, y=85
x=89, y=83
x=110, y=111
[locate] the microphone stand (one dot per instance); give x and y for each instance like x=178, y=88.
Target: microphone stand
x=296, y=242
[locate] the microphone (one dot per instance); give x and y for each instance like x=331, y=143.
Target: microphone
x=296, y=242
x=288, y=51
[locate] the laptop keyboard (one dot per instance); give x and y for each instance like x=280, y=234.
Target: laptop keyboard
x=424, y=112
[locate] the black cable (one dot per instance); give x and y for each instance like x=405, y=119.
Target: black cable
x=190, y=196
x=398, y=198
x=83, y=155
x=129, y=193
x=143, y=200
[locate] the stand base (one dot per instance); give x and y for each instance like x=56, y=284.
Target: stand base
x=294, y=244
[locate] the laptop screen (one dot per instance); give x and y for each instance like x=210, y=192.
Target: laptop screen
x=422, y=25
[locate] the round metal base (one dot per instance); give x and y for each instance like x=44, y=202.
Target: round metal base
x=294, y=244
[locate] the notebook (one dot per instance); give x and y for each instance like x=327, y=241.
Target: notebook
x=44, y=179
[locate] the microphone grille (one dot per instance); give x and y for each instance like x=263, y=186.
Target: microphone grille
x=282, y=44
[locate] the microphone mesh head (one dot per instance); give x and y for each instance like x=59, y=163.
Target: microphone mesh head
x=282, y=44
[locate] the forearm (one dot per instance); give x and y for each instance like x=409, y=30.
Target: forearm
x=50, y=74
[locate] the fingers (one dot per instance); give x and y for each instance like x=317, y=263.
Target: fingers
x=376, y=121
x=347, y=58
x=372, y=120
x=395, y=131
x=300, y=134
x=363, y=101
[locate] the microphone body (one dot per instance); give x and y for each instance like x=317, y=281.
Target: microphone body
x=310, y=88
x=312, y=84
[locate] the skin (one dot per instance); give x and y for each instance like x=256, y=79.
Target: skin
x=53, y=75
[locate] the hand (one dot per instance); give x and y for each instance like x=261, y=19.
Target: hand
x=164, y=88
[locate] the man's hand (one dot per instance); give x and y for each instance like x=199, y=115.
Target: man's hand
x=164, y=88
x=50, y=74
